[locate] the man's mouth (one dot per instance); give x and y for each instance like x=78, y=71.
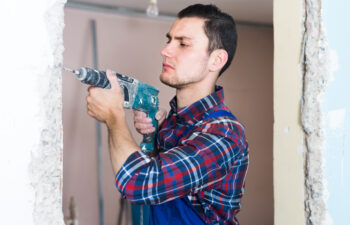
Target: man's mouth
x=167, y=66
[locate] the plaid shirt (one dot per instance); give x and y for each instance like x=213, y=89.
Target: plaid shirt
x=204, y=159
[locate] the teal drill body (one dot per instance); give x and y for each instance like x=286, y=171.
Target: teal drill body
x=146, y=100
x=137, y=95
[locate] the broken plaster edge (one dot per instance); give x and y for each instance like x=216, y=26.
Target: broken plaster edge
x=316, y=70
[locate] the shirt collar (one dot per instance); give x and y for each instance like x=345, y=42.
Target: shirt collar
x=194, y=112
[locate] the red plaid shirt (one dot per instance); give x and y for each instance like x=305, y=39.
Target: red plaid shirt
x=200, y=157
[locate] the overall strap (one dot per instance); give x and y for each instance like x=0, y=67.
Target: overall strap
x=219, y=113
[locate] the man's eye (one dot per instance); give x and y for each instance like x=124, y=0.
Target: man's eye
x=183, y=45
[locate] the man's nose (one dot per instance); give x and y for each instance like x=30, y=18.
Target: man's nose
x=167, y=51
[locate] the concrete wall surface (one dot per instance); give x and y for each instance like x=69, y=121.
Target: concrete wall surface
x=336, y=108
x=132, y=46
x=31, y=112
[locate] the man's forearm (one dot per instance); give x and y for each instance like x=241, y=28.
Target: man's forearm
x=121, y=143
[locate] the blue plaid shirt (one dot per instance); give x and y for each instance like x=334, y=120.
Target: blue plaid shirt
x=203, y=158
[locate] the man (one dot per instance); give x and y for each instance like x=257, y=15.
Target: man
x=198, y=173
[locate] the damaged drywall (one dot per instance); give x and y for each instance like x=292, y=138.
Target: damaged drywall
x=31, y=112
x=316, y=70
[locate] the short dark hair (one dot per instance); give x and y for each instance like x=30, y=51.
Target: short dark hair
x=219, y=27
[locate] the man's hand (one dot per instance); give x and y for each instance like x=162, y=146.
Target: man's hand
x=143, y=124
x=106, y=104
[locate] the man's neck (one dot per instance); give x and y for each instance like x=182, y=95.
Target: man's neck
x=189, y=95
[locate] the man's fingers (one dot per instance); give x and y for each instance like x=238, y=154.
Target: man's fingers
x=147, y=131
x=143, y=120
x=91, y=89
x=143, y=125
x=139, y=114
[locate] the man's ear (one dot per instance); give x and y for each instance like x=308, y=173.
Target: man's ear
x=218, y=59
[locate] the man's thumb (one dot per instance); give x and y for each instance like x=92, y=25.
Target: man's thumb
x=112, y=78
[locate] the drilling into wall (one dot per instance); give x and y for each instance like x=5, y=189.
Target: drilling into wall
x=137, y=95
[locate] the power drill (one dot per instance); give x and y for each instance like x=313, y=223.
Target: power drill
x=137, y=95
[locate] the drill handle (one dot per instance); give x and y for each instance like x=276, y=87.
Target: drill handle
x=148, y=143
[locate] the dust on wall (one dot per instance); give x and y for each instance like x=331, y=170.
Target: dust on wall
x=315, y=63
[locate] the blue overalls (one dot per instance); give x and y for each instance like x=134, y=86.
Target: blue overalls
x=176, y=212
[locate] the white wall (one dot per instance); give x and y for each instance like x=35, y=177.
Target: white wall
x=30, y=116
x=288, y=133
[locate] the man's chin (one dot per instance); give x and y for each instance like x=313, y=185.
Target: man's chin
x=168, y=82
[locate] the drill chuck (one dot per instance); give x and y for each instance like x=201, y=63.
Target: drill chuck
x=98, y=78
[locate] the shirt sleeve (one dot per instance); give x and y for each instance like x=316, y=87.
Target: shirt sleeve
x=198, y=162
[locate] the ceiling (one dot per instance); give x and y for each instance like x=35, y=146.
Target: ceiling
x=247, y=11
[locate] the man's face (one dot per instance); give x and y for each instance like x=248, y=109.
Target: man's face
x=185, y=57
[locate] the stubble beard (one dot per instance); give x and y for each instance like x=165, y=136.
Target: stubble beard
x=169, y=83
x=178, y=84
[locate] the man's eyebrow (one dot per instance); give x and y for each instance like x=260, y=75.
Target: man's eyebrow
x=177, y=37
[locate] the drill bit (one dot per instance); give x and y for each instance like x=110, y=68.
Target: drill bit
x=71, y=70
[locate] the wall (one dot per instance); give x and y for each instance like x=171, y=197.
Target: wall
x=336, y=110
x=288, y=153
x=248, y=85
x=132, y=46
x=30, y=116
